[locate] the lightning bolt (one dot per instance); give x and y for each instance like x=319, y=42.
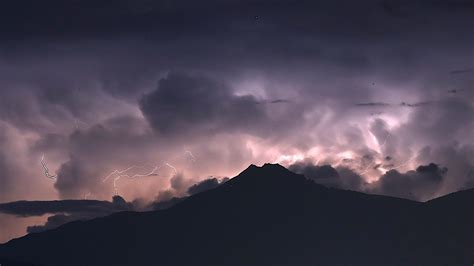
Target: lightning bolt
x=367, y=168
x=189, y=154
x=87, y=195
x=175, y=172
x=317, y=161
x=385, y=140
x=119, y=174
x=405, y=163
x=380, y=148
x=46, y=170
x=76, y=123
x=123, y=173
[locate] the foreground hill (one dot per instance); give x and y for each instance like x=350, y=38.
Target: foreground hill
x=265, y=216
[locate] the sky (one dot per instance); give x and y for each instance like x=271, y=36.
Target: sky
x=375, y=96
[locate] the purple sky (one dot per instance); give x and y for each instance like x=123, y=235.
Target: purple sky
x=376, y=89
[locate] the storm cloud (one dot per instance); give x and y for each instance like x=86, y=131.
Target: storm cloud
x=64, y=211
x=39, y=208
x=54, y=221
x=188, y=105
x=342, y=177
x=205, y=185
x=101, y=87
x=421, y=184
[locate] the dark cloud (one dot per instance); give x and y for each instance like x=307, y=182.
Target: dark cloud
x=277, y=101
x=418, y=104
x=39, y=208
x=383, y=104
x=460, y=71
x=73, y=178
x=169, y=198
x=373, y=104
x=70, y=211
x=341, y=177
x=314, y=171
x=65, y=211
x=457, y=158
x=205, y=185
x=421, y=184
x=469, y=183
x=453, y=91
x=424, y=183
x=280, y=101
x=187, y=104
x=348, y=179
x=178, y=182
x=164, y=204
x=55, y=221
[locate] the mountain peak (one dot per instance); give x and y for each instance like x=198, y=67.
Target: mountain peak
x=267, y=167
x=268, y=176
x=274, y=166
x=267, y=170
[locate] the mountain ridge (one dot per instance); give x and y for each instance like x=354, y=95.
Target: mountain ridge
x=264, y=216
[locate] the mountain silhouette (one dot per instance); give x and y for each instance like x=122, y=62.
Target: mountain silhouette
x=265, y=216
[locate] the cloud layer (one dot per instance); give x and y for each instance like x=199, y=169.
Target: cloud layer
x=361, y=92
